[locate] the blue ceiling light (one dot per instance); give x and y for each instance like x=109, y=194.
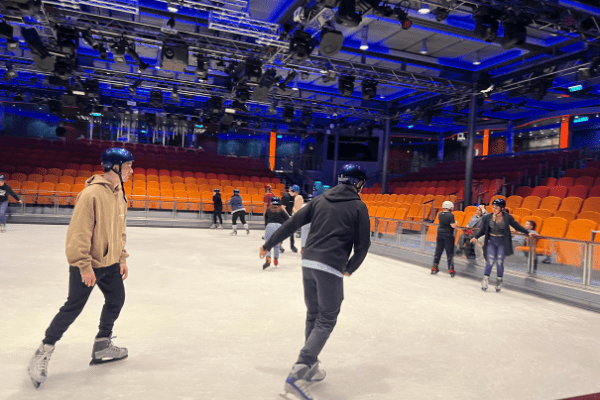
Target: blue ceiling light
x=424, y=8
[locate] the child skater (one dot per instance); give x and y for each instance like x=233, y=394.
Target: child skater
x=275, y=216
x=445, y=238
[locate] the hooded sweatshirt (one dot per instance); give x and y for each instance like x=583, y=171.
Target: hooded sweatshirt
x=339, y=222
x=5, y=191
x=96, y=235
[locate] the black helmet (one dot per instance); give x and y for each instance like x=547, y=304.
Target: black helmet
x=2, y=178
x=236, y=191
x=275, y=201
x=115, y=156
x=499, y=202
x=352, y=174
x=217, y=190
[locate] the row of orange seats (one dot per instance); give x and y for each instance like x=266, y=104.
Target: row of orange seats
x=559, y=191
x=144, y=181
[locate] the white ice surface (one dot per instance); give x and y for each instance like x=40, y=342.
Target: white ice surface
x=202, y=320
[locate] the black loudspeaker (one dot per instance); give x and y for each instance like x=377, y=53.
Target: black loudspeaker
x=261, y=93
x=174, y=58
x=331, y=42
x=60, y=131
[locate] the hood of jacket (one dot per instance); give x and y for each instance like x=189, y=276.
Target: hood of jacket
x=341, y=193
x=101, y=180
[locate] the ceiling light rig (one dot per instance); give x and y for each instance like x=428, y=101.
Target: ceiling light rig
x=424, y=9
x=365, y=37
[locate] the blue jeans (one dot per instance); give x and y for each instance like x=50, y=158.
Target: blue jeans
x=3, y=208
x=495, y=255
x=269, y=231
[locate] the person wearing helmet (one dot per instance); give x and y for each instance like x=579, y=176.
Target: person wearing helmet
x=96, y=254
x=287, y=202
x=5, y=191
x=237, y=211
x=275, y=216
x=339, y=225
x=218, y=210
x=445, y=238
x=304, y=231
x=495, y=228
x=267, y=197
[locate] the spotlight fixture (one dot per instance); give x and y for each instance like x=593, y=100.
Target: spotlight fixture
x=132, y=89
x=169, y=27
x=121, y=47
x=300, y=45
x=346, y=15
x=477, y=60
x=592, y=71
x=272, y=108
x=261, y=92
x=41, y=57
x=288, y=114
x=290, y=77
x=6, y=32
x=364, y=45
x=132, y=53
x=10, y=73
x=253, y=70
x=156, y=98
x=306, y=116
x=100, y=48
x=440, y=13
x=402, y=16
x=424, y=49
x=369, y=89
x=202, y=67
x=175, y=95
x=331, y=42
x=424, y=8
x=346, y=85
x=67, y=40
x=172, y=6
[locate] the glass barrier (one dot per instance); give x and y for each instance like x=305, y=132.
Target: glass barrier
x=595, y=263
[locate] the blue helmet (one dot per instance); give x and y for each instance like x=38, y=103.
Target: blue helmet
x=236, y=191
x=217, y=190
x=275, y=201
x=352, y=174
x=2, y=178
x=115, y=156
x=295, y=188
x=319, y=189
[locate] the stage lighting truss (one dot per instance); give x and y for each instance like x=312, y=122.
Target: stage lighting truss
x=125, y=6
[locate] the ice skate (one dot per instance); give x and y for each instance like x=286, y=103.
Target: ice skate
x=294, y=249
x=220, y=226
x=452, y=271
x=296, y=386
x=484, y=283
x=247, y=232
x=105, y=351
x=281, y=250
x=234, y=233
x=315, y=374
x=38, y=366
x=213, y=226
x=434, y=269
x=498, y=284
x=2, y=228
x=276, y=261
x=267, y=263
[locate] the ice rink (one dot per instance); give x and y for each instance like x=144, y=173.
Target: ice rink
x=202, y=320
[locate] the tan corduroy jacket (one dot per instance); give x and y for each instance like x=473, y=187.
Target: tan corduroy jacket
x=96, y=235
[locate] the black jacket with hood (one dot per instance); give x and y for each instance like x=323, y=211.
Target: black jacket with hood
x=339, y=221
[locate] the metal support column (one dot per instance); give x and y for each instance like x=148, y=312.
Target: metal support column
x=510, y=138
x=335, y=158
x=470, y=150
x=386, y=157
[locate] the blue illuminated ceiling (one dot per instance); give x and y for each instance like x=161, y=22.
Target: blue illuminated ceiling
x=430, y=68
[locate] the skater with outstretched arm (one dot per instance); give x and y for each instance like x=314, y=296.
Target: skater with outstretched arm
x=498, y=243
x=96, y=254
x=339, y=224
x=5, y=191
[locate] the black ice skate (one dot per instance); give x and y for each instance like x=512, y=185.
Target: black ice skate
x=294, y=249
x=452, y=271
x=434, y=269
x=267, y=263
x=104, y=351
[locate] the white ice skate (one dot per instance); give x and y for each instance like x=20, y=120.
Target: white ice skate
x=2, y=228
x=213, y=226
x=234, y=233
x=38, y=366
x=296, y=386
x=484, y=283
x=104, y=351
x=315, y=374
x=498, y=284
x=220, y=226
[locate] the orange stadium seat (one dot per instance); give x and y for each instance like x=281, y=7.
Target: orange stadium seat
x=55, y=179
x=45, y=193
x=167, y=199
x=591, y=215
x=571, y=253
x=591, y=204
x=572, y=204
x=550, y=203
x=540, y=191
x=543, y=214
x=75, y=190
x=565, y=181
x=587, y=181
x=590, y=171
x=36, y=178
x=63, y=193
x=568, y=215
x=138, y=197
x=558, y=191
x=181, y=197
x=531, y=202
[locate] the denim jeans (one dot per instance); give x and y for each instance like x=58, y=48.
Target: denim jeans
x=3, y=208
x=495, y=255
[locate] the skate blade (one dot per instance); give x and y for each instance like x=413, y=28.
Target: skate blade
x=97, y=362
x=291, y=396
x=35, y=383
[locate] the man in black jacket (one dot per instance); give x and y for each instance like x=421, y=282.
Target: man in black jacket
x=287, y=201
x=339, y=222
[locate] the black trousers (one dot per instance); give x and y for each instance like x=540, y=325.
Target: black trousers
x=323, y=296
x=110, y=282
x=241, y=215
x=217, y=214
x=444, y=242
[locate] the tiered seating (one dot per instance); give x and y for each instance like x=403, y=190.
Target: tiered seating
x=44, y=181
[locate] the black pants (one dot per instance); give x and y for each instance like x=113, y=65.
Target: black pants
x=323, y=296
x=217, y=214
x=110, y=282
x=241, y=215
x=444, y=242
x=464, y=244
